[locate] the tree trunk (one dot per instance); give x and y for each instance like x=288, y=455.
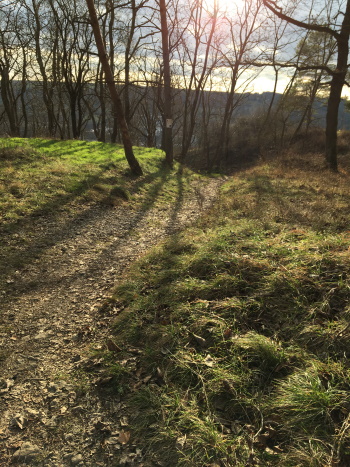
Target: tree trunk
x=129, y=154
x=332, y=122
x=8, y=102
x=168, y=118
x=46, y=85
x=337, y=83
x=338, y=75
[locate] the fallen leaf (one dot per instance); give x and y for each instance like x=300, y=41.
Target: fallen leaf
x=277, y=449
x=227, y=385
x=36, y=400
x=271, y=451
x=164, y=321
x=6, y=385
x=102, y=426
x=209, y=361
x=205, y=302
x=160, y=376
x=261, y=440
x=103, y=380
x=137, y=385
x=19, y=421
x=124, y=437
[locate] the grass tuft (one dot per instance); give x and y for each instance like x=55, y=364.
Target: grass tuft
x=246, y=318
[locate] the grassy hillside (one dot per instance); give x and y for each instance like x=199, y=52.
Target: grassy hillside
x=235, y=333
x=243, y=325
x=57, y=181
x=39, y=176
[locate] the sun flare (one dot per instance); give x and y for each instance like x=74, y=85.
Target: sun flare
x=226, y=5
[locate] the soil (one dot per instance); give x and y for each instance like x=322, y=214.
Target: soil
x=61, y=269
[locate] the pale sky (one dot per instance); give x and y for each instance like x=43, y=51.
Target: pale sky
x=266, y=80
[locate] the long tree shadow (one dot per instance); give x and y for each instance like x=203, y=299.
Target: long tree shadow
x=18, y=256
x=146, y=206
x=172, y=224
x=48, y=214
x=178, y=202
x=22, y=256
x=51, y=208
x=17, y=159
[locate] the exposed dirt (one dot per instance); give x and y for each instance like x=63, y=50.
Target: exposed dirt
x=52, y=414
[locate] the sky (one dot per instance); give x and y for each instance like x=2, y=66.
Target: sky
x=266, y=80
x=265, y=83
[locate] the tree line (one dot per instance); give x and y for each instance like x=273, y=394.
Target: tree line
x=180, y=68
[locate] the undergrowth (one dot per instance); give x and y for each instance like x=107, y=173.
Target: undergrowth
x=243, y=326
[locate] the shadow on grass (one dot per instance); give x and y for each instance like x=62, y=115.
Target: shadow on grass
x=303, y=205
x=53, y=206
x=18, y=157
x=21, y=154
x=23, y=256
x=178, y=202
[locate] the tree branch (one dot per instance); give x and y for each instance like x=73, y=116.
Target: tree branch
x=293, y=65
x=272, y=6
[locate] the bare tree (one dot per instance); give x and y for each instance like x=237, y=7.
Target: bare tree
x=341, y=33
x=37, y=14
x=244, y=36
x=197, y=54
x=168, y=116
x=315, y=48
x=15, y=55
x=129, y=154
x=277, y=31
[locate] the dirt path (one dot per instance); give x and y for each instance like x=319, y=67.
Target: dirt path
x=50, y=319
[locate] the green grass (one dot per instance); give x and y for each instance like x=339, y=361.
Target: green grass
x=54, y=180
x=39, y=176
x=243, y=325
x=242, y=321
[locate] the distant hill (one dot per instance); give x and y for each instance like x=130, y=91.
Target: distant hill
x=255, y=102
x=89, y=112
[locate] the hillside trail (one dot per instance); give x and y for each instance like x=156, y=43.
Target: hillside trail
x=51, y=412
